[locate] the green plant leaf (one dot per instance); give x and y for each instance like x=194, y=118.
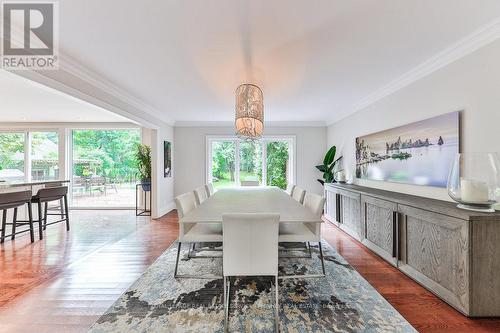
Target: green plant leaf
x=328, y=176
x=330, y=168
x=321, y=168
x=330, y=156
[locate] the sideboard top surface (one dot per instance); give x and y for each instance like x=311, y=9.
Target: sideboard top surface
x=433, y=205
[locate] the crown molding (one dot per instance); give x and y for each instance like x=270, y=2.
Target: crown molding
x=266, y=124
x=71, y=66
x=465, y=46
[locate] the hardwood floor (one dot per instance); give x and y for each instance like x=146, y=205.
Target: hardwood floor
x=65, y=282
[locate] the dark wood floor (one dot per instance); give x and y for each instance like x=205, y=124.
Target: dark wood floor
x=65, y=282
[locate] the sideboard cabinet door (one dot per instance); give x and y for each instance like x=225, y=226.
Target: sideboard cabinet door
x=350, y=211
x=378, y=220
x=332, y=205
x=434, y=252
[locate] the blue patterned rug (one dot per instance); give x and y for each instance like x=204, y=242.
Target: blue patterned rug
x=340, y=302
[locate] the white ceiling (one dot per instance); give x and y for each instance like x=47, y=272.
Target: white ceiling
x=22, y=100
x=314, y=60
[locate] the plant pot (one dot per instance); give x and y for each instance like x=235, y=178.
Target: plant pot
x=146, y=184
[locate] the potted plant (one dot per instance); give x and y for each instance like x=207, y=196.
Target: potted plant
x=143, y=156
x=329, y=163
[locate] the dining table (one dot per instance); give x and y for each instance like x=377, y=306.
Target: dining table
x=258, y=199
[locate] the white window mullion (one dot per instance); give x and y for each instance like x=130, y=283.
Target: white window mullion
x=61, y=163
x=68, y=163
x=237, y=162
x=27, y=156
x=264, y=162
x=209, y=162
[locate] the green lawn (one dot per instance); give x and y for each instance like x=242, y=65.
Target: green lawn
x=225, y=181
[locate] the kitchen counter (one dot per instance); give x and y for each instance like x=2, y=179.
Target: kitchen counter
x=9, y=185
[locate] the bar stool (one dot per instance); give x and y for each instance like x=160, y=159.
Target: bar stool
x=46, y=195
x=60, y=205
x=16, y=200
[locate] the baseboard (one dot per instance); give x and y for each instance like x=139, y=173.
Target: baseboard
x=165, y=209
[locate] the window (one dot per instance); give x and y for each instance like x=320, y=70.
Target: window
x=12, y=147
x=277, y=163
x=269, y=161
x=44, y=156
x=104, y=167
x=223, y=172
x=251, y=161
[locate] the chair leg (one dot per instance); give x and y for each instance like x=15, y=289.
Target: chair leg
x=277, y=311
x=190, y=276
x=66, y=211
x=30, y=221
x=191, y=249
x=14, y=222
x=61, y=208
x=310, y=252
x=40, y=220
x=177, y=260
x=227, y=296
x=45, y=209
x=4, y=225
x=322, y=258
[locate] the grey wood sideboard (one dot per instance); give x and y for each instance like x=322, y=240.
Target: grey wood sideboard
x=453, y=253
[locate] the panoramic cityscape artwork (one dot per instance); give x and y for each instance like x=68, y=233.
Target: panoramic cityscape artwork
x=420, y=153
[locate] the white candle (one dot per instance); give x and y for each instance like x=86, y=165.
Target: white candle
x=473, y=191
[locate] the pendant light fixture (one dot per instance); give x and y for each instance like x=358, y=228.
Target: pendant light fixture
x=249, y=123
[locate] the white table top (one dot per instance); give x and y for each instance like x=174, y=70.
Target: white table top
x=250, y=200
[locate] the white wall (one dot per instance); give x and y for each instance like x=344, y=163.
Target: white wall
x=190, y=154
x=471, y=84
x=162, y=187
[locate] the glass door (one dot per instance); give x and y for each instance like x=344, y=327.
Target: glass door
x=223, y=163
x=277, y=163
x=250, y=161
x=104, y=168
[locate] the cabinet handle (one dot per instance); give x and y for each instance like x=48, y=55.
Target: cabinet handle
x=394, y=234
x=339, y=210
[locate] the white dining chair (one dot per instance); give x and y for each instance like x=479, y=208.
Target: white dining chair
x=306, y=232
x=289, y=189
x=249, y=183
x=194, y=232
x=210, y=189
x=298, y=194
x=250, y=248
x=201, y=194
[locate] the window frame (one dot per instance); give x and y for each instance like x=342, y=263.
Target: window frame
x=27, y=147
x=291, y=139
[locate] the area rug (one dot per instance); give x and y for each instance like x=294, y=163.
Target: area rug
x=340, y=302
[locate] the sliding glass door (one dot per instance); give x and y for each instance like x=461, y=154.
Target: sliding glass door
x=223, y=163
x=250, y=161
x=278, y=163
x=104, y=168
x=268, y=161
